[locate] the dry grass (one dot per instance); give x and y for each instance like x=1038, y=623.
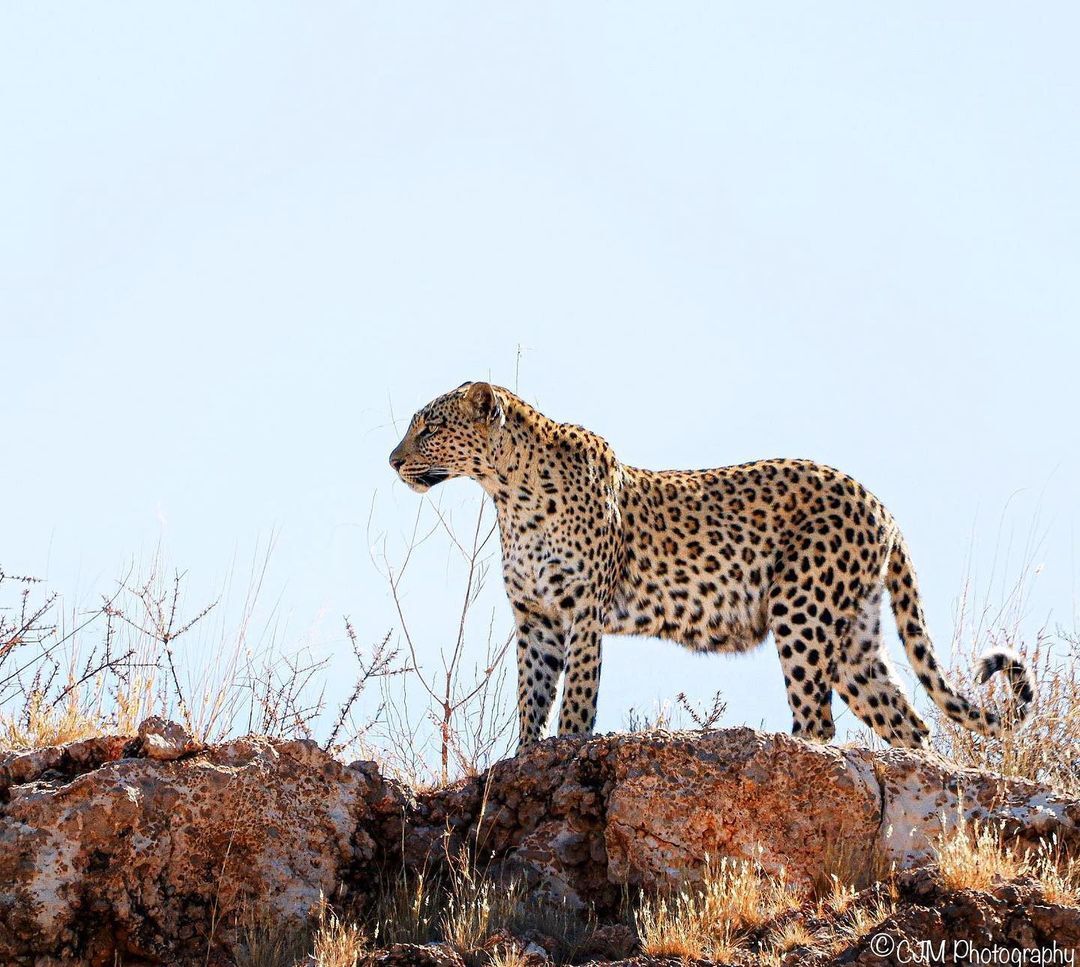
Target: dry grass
x=975, y=857
x=857, y=921
x=41, y=724
x=793, y=934
x=475, y=908
x=849, y=864
x=408, y=909
x=509, y=956
x=711, y=918
x=998, y=613
x=978, y=856
x=1044, y=747
x=269, y=941
x=465, y=908
x=1057, y=873
x=739, y=912
x=337, y=942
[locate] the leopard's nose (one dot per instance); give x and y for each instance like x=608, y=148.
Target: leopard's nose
x=396, y=459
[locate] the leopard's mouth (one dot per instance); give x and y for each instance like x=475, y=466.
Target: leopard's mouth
x=422, y=482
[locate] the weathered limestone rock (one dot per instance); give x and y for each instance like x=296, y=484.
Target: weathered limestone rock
x=166, y=741
x=583, y=817
x=148, y=847
x=149, y=858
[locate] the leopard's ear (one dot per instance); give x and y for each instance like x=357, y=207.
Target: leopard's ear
x=483, y=401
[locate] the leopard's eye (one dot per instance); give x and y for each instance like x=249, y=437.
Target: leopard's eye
x=428, y=431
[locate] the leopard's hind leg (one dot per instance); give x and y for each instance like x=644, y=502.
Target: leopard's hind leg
x=805, y=635
x=868, y=684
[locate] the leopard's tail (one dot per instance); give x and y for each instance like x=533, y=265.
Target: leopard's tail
x=911, y=623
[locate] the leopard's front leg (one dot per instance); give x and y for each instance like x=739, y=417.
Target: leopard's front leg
x=541, y=655
x=577, y=715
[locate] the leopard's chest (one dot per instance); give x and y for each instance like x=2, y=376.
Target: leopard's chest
x=545, y=564
x=536, y=568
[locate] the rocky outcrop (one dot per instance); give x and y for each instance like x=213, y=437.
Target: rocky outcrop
x=112, y=846
x=148, y=847
x=581, y=818
x=931, y=924
x=922, y=921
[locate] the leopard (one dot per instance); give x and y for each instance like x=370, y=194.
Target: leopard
x=713, y=560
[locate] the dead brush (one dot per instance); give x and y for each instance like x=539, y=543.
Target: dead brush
x=267, y=940
x=1044, y=747
x=977, y=855
x=997, y=614
x=142, y=651
x=713, y=917
x=337, y=942
x=456, y=905
x=849, y=864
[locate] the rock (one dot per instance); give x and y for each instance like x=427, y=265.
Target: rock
x=610, y=940
x=579, y=818
x=146, y=849
x=73, y=759
x=151, y=860
x=1009, y=924
x=166, y=741
x=414, y=955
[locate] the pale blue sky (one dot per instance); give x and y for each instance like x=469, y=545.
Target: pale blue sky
x=235, y=239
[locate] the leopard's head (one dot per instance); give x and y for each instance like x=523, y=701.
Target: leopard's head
x=451, y=437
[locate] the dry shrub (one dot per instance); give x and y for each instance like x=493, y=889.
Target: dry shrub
x=998, y=614
x=683, y=714
x=711, y=918
x=857, y=920
x=337, y=942
x=466, y=719
x=143, y=651
x=849, y=864
x=978, y=855
x=1044, y=747
x=266, y=940
x=476, y=908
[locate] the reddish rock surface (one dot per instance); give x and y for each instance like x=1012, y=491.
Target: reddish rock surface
x=583, y=817
x=147, y=847
x=146, y=858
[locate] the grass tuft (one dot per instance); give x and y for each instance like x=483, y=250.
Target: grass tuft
x=979, y=856
x=711, y=918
